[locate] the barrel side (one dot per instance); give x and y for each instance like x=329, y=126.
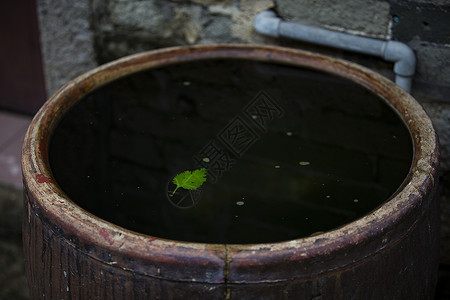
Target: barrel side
x=405, y=269
x=57, y=269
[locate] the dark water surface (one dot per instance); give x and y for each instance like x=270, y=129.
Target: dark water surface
x=289, y=152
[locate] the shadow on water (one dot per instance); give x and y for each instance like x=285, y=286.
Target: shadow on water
x=290, y=152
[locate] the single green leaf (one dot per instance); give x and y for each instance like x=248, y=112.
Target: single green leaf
x=189, y=180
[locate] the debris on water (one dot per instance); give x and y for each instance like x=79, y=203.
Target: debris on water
x=240, y=203
x=206, y=159
x=304, y=163
x=277, y=167
x=355, y=200
x=289, y=133
x=187, y=83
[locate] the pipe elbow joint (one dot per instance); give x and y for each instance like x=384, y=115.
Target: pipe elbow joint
x=403, y=56
x=267, y=23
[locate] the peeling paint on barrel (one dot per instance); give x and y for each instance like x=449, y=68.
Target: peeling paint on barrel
x=43, y=179
x=106, y=236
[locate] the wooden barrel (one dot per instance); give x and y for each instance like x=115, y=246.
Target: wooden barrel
x=389, y=253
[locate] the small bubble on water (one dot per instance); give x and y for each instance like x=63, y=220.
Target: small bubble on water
x=254, y=117
x=355, y=200
x=289, y=133
x=328, y=196
x=277, y=167
x=240, y=203
x=206, y=159
x=304, y=163
x=187, y=83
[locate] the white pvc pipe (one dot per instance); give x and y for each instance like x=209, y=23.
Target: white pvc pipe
x=268, y=23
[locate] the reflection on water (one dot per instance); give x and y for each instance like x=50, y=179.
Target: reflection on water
x=331, y=153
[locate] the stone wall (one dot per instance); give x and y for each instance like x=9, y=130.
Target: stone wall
x=77, y=36
x=66, y=40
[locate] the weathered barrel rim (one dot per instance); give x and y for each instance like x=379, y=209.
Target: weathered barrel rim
x=54, y=205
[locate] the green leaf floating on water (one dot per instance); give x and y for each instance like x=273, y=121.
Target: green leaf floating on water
x=189, y=180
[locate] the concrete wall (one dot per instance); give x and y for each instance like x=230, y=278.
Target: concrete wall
x=77, y=36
